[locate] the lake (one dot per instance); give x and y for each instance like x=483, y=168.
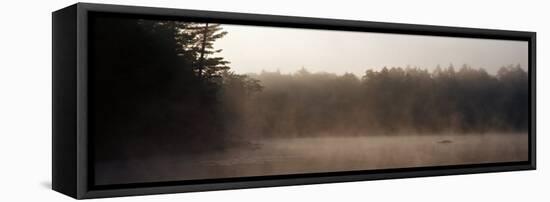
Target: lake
x=277, y=156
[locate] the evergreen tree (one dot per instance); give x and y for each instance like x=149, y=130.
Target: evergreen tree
x=196, y=40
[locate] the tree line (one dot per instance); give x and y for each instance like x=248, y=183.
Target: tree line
x=389, y=101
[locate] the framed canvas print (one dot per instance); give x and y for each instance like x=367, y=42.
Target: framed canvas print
x=155, y=100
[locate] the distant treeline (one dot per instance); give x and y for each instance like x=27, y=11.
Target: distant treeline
x=388, y=101
x=158, y=88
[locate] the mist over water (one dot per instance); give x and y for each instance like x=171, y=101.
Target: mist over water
x=331, y=153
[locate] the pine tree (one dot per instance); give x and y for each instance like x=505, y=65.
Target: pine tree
x=197, y=42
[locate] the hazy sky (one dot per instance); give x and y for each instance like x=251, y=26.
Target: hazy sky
x=251, y=49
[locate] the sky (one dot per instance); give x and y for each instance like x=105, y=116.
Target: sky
x=251, y=49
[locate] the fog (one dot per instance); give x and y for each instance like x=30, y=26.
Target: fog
x=166, y=105
x=276, y=156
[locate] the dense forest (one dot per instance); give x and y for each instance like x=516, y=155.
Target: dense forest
x=389, y=101
x=159, y=87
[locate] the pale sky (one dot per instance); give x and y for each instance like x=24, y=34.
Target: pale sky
x=251, y=49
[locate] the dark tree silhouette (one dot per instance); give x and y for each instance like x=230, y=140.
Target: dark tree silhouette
x=147, y=94
x=196, y=40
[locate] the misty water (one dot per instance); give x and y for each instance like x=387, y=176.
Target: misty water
x=277, y=156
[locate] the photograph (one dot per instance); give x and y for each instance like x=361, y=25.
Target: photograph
x=177, y=100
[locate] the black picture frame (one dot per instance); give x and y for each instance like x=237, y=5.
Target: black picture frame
x=71, y=161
